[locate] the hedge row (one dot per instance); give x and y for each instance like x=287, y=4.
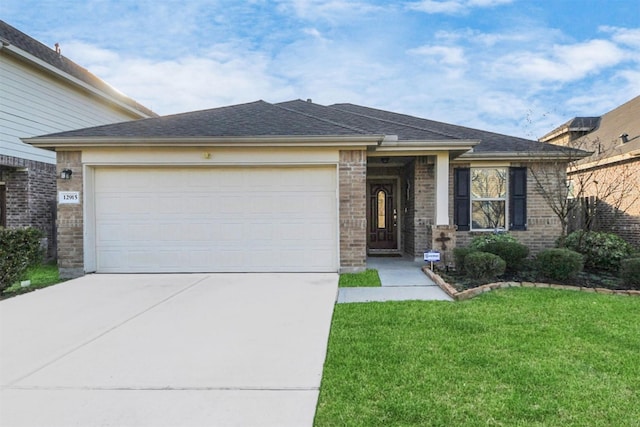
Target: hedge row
x=19, y=249
x=588, y=250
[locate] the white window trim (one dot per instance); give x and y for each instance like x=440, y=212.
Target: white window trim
x=489, y=199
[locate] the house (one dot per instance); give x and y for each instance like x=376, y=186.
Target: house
x=41, y=92
x=607, y=182
x=293, y=186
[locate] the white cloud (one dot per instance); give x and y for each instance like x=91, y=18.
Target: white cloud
x=446, y=55
x=433, y=6
x=453, y=7
x=352, y=51
x=330, y=10
x=313, y=32
x=224, y=76
x=626, y=36
x=561, y=63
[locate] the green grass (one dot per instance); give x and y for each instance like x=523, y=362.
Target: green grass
x=41, y=276
x=516, y=357
x=365, y=278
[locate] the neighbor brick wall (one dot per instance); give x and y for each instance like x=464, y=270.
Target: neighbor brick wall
x=353, y=210
x=618, y=197
x=30, y=195
x=70, y=221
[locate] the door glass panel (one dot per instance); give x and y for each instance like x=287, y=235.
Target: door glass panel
x=381, y=209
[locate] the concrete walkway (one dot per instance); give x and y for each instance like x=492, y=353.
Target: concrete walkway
x=166, y=350
x=402, y=279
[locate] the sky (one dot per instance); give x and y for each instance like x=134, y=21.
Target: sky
x=518, y=67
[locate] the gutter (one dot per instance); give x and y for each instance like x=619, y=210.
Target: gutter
x=241, y=141
x=408, y=146
x=525, y=155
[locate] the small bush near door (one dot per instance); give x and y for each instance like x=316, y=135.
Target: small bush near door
x=459, y=255
x=479, y=242
x=562, y=265
x=513, y=253
x=483, y=265
x=19, y=249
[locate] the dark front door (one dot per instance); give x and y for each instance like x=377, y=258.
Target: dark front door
x=382, y=215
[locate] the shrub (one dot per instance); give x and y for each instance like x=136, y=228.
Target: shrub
x=483, y=265
x=559, y=264
x=630, y=272
x=602, y=251
x=479, y=242
x=513, y=253
x=19, y=249
x=459, y=255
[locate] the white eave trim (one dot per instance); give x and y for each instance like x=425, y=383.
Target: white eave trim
x=605, y=162
x=7, y=46
x=390, y=146
x=360, y=141
x=522, y=156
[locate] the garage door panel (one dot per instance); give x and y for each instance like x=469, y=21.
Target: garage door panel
x=216, y=219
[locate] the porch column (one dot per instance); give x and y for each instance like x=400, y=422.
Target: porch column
x=442, y=188
x=443, y=235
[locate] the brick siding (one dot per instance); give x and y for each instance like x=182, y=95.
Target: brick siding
x=352, y=175
x=30, y=196
x=618, y=198
x=70, y=222
x=425, y=205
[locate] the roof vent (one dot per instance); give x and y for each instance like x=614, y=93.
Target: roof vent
x=309, y=100
x=624, y=138
x=58, y=50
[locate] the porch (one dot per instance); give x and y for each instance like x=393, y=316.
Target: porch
x=408, y=206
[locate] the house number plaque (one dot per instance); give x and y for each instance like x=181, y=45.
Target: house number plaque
x=69, y=197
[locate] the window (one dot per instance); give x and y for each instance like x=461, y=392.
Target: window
x=490, y=198
x=382, y=209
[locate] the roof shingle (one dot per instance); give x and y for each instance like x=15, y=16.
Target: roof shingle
x=300, y=118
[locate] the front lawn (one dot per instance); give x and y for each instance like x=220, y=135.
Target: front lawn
x=41, y=276
x=516, y=357
x=367, y=278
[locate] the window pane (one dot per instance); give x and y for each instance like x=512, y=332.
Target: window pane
x=488, y=183
x=488, y=215
x=382, y=197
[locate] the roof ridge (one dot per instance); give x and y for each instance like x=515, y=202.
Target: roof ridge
x=342, y=125
x=390, y=121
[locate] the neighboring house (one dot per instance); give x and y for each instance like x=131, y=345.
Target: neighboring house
x=607, y=182
x=42, y=92
x=294, y=186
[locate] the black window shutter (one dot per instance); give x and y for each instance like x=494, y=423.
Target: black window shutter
x=461, y=198
x=517, y=198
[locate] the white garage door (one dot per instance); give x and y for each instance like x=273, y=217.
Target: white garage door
x=249, y=219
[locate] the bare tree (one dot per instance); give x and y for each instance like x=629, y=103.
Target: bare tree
x=565, y=182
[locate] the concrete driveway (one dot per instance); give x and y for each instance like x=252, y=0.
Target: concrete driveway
x=166, y=350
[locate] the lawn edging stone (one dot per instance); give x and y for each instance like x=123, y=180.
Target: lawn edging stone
x=473, y=292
